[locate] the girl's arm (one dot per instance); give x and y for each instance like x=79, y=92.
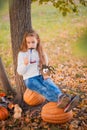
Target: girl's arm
x=46, y=58
x=21, y=67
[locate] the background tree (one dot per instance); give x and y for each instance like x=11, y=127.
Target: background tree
x=20, y=22
x=5, y=82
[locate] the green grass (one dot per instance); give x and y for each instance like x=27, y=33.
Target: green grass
x=5, y=42
x=49, y=20
x=56, y=32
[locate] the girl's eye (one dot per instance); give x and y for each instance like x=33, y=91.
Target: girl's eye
x=33, y=41
x=28, y=42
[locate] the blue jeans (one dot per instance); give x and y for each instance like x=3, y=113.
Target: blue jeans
x=46, y=87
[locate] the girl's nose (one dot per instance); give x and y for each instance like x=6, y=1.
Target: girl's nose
x=31, y=45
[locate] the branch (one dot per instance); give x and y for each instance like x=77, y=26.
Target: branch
x=4, y=79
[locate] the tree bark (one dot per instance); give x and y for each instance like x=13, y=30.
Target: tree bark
x=4, y=79
x=20, y=22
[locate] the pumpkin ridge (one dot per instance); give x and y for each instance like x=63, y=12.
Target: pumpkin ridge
x=61, y=115
x=56, y=111
x=57, y=120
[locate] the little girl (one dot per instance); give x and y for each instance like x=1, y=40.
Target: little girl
x=30, y=60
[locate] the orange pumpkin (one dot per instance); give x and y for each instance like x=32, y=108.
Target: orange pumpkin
x=2, y=94
x=33, y=98
x=3, y=113
x=52, y=114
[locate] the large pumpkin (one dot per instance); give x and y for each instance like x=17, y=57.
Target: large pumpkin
x=52, y=114
x=3, y=113
x=32, y=97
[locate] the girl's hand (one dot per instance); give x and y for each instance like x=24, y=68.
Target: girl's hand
x=46, y=77
x=26, y=61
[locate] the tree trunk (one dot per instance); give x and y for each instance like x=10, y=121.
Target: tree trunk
x=4, y=79
x=20, y=22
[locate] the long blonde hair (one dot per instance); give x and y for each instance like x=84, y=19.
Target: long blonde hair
x=39, y=48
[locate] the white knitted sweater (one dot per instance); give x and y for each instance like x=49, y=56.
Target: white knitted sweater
x=32, y=69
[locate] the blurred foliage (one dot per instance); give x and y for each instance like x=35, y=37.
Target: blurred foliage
x=2, y=2
x=65, y=6
x=80, y=47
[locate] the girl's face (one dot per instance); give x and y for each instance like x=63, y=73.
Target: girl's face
x=31, y=42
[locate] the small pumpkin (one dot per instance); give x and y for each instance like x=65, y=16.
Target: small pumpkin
x=33, y=98
x=52, y=114
x=3, y=113
x=2, y=94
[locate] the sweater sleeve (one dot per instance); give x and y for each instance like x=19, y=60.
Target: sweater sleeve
x=21, y=67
